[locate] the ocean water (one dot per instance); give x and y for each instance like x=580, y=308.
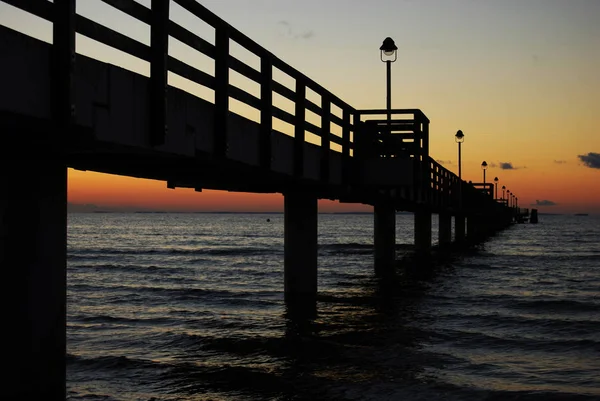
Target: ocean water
x=190, y=307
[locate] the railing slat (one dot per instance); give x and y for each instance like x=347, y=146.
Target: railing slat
x=336, y=120
x=336, y=139
x=109, y=37
x=42, y=9
x=244, y=97
x=191, y=39
x=283, y=115
x=313, y=129
x=284, y=91
x=132, y=8
x=313, y=107
x=201, y=12
x=244, y=69
x=193, y=74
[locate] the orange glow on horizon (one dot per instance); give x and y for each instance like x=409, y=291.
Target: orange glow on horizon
x=126, y=193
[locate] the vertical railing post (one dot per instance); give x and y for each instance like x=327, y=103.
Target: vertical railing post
x=266, y=112
x=220, y=140
x=159, y=49
x=63, y=65
x=346, y=147
x=424, y=132
x=359, y=137
x=299, y=136
x=325, y=139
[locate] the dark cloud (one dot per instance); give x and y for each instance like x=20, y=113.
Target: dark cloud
x=290, y=32
x=544, y=202
x=591, y=160
x=507, y=166
x=446, y=162
x=560, y=161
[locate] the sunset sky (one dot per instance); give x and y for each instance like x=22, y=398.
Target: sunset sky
x=521, y=78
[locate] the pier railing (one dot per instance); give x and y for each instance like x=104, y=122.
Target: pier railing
x=67, y=22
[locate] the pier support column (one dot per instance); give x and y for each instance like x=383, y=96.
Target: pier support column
x=423, y=232
x=300, y=254
x=473, y=229
x=384, y=237
x=445, y=229
x=459, y=228
x=33, y=238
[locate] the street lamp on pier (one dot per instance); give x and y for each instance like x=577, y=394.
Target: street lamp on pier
x=496, y=185
x=508, y=198
x=484, y=167
x=388, y=55
x=459, y=138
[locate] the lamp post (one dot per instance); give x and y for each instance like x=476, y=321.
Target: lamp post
x=517, y=203
x=459, y=138
x=496, y=185
x=503, y=191
x=508, y=198
x=484, y=167
x=388, y=55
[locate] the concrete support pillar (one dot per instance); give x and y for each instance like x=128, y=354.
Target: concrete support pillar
x=445, y=229
x=473, y=230
x=33, y=238
x=459, y=228
x=300, y=254
x=384, y=237
x=423, y=232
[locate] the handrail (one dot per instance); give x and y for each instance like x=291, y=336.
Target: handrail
x=124, y=43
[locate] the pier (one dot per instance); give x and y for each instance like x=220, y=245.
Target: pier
x=61, y=110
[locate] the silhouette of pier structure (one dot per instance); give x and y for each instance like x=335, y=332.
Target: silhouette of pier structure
x=59, y=109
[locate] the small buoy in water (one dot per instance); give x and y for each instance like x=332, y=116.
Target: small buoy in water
x=268, y=220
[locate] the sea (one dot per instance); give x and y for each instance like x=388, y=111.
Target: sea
x=190, y=306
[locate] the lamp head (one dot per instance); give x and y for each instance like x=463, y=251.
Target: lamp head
x=496, y=179
x=459, y=137
x=484, y=165
x=388, y=49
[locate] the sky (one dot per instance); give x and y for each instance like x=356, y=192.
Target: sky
x=520, y=78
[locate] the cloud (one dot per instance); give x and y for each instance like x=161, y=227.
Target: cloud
x=560, y=161
x=591, y=160
x=446, y=162
x=291, y=33
x=507, y=166
x=544, y=202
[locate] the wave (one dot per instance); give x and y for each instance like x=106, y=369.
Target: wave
x=466, y=339
x=92, y=252
x=561, y=305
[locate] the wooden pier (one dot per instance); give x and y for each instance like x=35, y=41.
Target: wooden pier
x=62, y=110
